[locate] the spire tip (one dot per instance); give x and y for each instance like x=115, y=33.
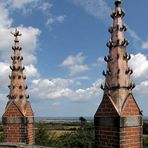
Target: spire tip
x=117, y=2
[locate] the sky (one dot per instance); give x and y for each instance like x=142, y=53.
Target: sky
x=64, y=43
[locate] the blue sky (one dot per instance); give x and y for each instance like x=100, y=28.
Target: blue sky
x=64, y=42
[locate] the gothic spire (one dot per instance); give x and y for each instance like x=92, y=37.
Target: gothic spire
x=118, y=82
x=17, y=85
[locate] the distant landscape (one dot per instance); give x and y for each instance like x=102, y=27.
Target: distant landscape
x=69, y=132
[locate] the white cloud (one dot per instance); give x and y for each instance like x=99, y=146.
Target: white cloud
x=19, y=4
x=74, y=60
x=145, y=45
x=46, y=6
x=63, y=88
x=52, y=20
x=74, y=69
x=4, y=73
x=60, y=18
x=31, y=71
x=50, y=89
x=75, y=64
x=99, y=62
x=92, y=92
x=142, y=88
x=97, y=8
x=139, y=64
x=4, y=17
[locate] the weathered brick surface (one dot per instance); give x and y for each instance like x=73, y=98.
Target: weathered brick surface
x=118, y=137
x=14, y=132
x=130, y=107
x=106, y=108
x=131, y=137
x=12, y=110
x=107, y=137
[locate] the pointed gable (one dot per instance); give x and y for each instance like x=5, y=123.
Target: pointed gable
x=107, y=108
x=12, y=110
x=29, y=111
x=130, y=107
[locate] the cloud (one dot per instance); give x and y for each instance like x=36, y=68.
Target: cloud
x=84, y=95
x=75, y=64
x=99, y=62
x=97, y=8
x=31, y=71
x=60, y=18
x=52, y=20
x=74, y=69
x=4, y=73
x=139, y=64
x=142, y=88
x=45, y=7
x=74, y=60
x=4, y=17
x=59, y=88
x=50, y=89
x=19, y=4
x=145, y=45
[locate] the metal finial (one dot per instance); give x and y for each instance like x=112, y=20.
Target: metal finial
x=118, y=1
x=16, y=33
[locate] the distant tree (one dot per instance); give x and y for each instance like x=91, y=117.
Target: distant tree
x=41, y=135
x=81, y=138
x=83, y=121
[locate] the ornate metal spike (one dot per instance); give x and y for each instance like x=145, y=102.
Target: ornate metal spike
x=125, y=56
x=110, y=29
x=23, y=68
x=10, y=77
x=110, y=58
x=18, y=57
x=102, y=87
x=131, y=71
x=106, y=59
x=27, y=96
x=104, y=73
x=108, y=72
x=133, y=86
x=127, y=71
x=16, y=33
x=11, y=67
x=129, y=57
x=13, y=47
x=24, y=77
x=21, y=58
x=26, y=87
x=124, y=27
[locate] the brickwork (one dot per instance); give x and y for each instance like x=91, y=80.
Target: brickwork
x=106, y=108
x=15, y=133
x=131, y=137
x=130, y=107
x=107, y=137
